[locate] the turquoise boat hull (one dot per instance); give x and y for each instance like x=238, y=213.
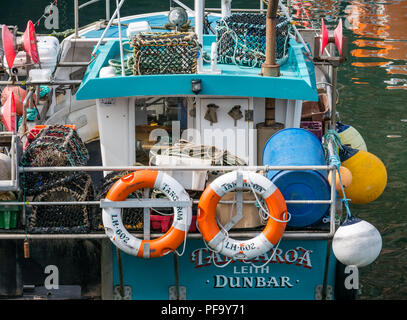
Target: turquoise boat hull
x=294, y=273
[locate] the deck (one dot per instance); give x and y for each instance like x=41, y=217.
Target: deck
x=296, y=73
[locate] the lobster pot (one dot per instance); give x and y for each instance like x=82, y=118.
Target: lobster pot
x=165, y=53
x=241, y=39
x=132, y=217
x=49, y=145
x=63, y=218
x=56, y=146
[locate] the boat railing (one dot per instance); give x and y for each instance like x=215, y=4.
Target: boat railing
x=77, y=7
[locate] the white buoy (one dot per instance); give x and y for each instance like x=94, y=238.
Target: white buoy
x=357, y=242
x=5, y=167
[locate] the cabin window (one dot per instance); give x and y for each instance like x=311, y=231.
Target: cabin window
x=160, y=121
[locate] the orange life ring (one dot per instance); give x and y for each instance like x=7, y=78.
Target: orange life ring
x=217, y=240
x=112, y=218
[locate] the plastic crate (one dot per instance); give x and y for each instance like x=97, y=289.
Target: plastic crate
x=313, y=126
x=163, y=223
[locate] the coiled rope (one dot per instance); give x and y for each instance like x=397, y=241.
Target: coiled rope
x=187, y=149
x=128, y=63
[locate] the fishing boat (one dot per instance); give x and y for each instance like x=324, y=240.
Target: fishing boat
x=187, y=154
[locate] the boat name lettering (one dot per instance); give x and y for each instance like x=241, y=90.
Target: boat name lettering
x=232, y=185
x=222, y=281
x=122, y=235
x=180, y=213
x=242, y=247
x=297, y=256
x=166, y=188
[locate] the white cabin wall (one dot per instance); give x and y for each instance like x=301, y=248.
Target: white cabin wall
x=116, y=119
x=239, y=139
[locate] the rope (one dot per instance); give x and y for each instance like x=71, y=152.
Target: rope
x=189, y=149
x=264, y=217
x=185, y=240
x=128, y=63
x=210, y=249
x=334, y=137
x=265, y=210
x=335, y=161
x=31, y=115
x=44, y=90
x=275, y=248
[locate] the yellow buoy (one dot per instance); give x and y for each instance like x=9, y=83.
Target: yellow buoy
x=346, y=177
x=369, y=176
x=351, y=137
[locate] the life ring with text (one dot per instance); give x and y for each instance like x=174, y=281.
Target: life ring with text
x=112, y=219
x=217, y=240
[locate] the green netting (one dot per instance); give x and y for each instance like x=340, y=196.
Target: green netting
x=57, y=146
x=241, y=39
x=165, y=53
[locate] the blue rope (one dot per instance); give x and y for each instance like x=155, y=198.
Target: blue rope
x=344, y=199
x=31, y=115
x=44, y=90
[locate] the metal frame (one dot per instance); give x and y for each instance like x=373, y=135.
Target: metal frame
x=14, y=183
x=148, y=203
x=77, y=7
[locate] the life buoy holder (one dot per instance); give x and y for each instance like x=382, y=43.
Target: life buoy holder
x=112, y=219
x=218, y=240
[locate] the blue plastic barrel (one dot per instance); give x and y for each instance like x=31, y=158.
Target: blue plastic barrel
x=298, y=147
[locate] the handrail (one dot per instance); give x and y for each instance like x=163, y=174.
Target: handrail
x=107, y=27
x=236, y=10
x=188, y=9
x=291, y=235
x=78, y=7
x=139, y=203
x=175, y=168
x=162, y=202
x=88, y=3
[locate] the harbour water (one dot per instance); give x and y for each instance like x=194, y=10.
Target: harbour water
x=372, y=94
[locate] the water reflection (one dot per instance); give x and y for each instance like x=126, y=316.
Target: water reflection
x=371, y=101
x=382, y=33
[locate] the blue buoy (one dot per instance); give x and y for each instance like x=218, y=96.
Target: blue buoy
x=298, y=147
